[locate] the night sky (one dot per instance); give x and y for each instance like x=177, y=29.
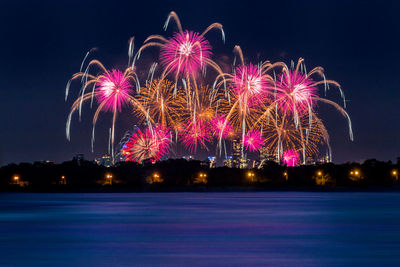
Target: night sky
x=42, y=45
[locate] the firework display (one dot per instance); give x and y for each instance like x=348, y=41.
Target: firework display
x=187, y=100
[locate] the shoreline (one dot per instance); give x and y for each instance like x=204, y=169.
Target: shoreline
x=122, y=189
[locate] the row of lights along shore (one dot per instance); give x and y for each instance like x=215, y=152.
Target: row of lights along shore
x=354, y=175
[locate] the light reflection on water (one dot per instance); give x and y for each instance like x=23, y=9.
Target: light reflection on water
x=197, y=229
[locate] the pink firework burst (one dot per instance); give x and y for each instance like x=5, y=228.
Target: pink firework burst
x=185, y=52
x=221, y=127
x=114, y=89
x=291, y=158
x=253, y=140
x=295, y=92
x=248, y=81
x=195, y=133
x=151, y=144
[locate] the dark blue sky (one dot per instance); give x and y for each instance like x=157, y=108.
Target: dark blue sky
x=42, y=45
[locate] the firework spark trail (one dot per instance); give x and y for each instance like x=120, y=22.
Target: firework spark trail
x=151, y=72
x=86, y=56
x=131, y=49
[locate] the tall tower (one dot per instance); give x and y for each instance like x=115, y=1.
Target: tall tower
x=236, y=152
x=265, y=155
x=228, y=162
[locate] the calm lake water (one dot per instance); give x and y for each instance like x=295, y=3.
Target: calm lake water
x=198, y=229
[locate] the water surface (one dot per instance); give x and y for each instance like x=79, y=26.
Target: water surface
x=200, y=229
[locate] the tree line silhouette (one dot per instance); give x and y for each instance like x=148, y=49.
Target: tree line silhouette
x=181, y=174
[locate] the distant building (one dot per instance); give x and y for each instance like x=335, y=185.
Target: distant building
x=236, y=153
x=324, y=159
x=243, y=162
x=239, y=160
x=106, y=161
x=310, y=161
x=228, y=162
x=78, y=158
x=189, y=157
x=265, y=155
x=212, y=162
x=46, y=162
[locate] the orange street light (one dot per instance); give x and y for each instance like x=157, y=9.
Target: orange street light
x=355, y=175
x=155, y=178
x=109, y=178
x=285, y=174
x=395, y=174
x=201, y=178
x=250, y=176
x=15, y=179
x=355, y=172
x=203, y=175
